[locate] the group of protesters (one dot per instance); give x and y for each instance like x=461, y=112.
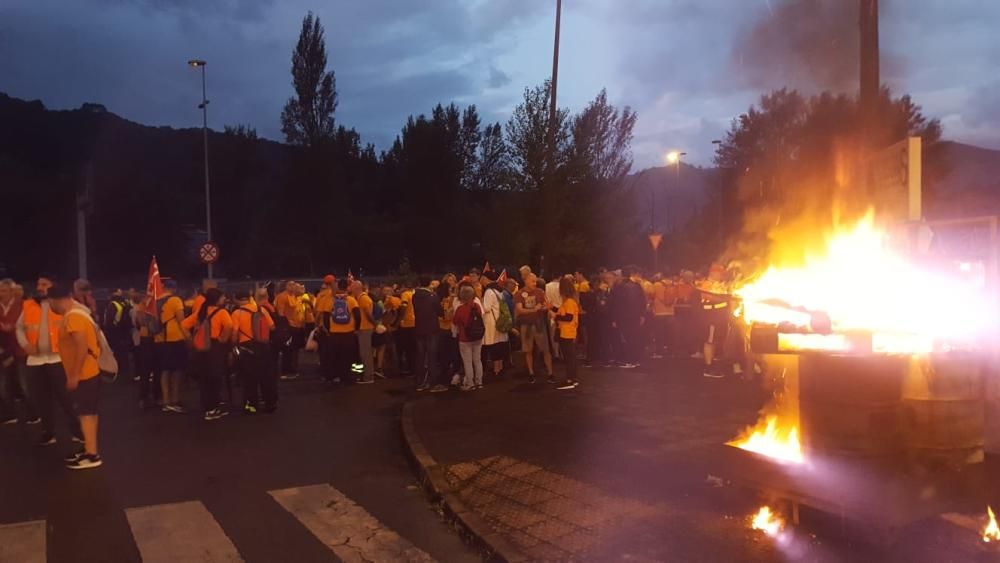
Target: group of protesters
x=446, y=332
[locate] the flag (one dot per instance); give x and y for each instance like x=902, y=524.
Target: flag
x=486, y=267
x=502, y=279
x=154, y=286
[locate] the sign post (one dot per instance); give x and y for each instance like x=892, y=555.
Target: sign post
x=654, y=241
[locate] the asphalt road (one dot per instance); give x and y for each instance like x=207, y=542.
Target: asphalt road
x=322, y=479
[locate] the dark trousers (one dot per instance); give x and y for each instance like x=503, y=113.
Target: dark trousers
x=631, y=341
x=568, y=348
x=449, y=359
x=146, y=370
x=325, y=353
x=406, y=346
x=290, y=351
x=427, y=359
x=608, y=347
x=209, y=367
x=257, y=376
x=11, y=390
x=48, y=389
x=120, y=346
x=343, y=353
x=664, y=339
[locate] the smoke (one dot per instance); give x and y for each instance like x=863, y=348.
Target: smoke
x=810, y=45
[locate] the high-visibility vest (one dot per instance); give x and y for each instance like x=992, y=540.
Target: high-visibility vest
x=32, y=313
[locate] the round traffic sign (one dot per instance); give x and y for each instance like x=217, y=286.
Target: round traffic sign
x=209, y=253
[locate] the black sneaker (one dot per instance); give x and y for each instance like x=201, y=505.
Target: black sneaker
x=551, y=380
x=531, y=378
x=85, y=461
x=47, y=440
x=75, y=456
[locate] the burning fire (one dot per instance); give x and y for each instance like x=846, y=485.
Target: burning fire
x=772, y=439
x=859, y=282
x=767, y=522
x=991, y=533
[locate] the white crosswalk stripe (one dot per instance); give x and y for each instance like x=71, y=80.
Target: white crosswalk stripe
x=184, y=531
x=346, y=528
x=23, y=542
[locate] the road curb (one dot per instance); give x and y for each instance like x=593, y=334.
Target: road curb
x=471, y=525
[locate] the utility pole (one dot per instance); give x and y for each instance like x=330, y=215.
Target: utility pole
x=203, y=106
x=869, y=83
x=83, y=202
x=555, y=73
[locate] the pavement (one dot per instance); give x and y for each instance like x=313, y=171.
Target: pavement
x=626, y=468
x=325, y=478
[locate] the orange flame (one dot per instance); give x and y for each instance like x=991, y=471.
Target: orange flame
x=773, y=439
x=767, y=522
x=991, y=533
x=863, y=284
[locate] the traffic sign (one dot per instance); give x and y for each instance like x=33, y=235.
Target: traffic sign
x=209, y=253
x=655, y=239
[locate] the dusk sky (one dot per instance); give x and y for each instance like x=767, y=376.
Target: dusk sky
x=687, y=66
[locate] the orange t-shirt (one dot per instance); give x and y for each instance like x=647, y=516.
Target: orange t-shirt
x=366, y=305
x=70, y=353
x=409, y=319
x=243, y=318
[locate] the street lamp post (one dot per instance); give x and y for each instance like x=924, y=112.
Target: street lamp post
x=674, y=158
x=203, y=106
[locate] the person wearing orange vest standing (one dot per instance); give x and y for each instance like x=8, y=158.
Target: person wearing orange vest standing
x=252, y=326
x=169, y=340
x=38, y=334
x=289, y=305
x=211, y=331
x=406, y=339
x=343, y=325
x=324, y=308
x=80, y=351
x=365, y=331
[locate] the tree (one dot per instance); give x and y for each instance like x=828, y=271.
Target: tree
x=241, y=131
x=533, y=140
x=307, y=119
x=602, y=138
x=493, y=168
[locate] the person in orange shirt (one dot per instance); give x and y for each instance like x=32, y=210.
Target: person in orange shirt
x=289, y=306
x=211, y=330
x=252, y=327
x=664, y=298
x=406, y=339
x=343, y=325
x=390, y=320
x=365, y=331
x=79, y=352
x=324, y=307
x=568, y=318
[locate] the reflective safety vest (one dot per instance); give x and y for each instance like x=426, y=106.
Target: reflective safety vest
x=32, y=315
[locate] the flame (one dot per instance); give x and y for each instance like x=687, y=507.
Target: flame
x=861, y=283
x=767, y=522
x=991, y=533
x=772, y=439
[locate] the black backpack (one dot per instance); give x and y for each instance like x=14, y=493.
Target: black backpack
x=476, y=328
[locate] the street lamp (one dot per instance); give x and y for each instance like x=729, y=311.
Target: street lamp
x=203, y=106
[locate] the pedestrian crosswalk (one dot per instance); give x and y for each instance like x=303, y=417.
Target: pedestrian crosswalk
x=188, y=531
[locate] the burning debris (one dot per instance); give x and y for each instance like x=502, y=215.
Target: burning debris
x=991, y=532
x=774, y=439
x=767, y=521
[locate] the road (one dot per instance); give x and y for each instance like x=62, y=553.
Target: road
x=322, y=479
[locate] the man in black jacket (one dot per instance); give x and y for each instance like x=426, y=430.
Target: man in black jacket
x=426, y=310
x=630, y=313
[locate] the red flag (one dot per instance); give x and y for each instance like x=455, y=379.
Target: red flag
x=154, y=286
x=486, y=267
x=502, y=279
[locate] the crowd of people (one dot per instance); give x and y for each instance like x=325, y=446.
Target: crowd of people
x=447, y=333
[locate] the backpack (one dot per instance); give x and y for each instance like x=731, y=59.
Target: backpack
x=259, y=331
x=341, y=312
x=476, y=328
x=377, y=311
x=106, y=361
x=116, y=316
x=505, y=321
x=156, y=324
x=204, y=332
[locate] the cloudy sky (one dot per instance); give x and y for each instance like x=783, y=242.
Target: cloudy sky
x=687, y=66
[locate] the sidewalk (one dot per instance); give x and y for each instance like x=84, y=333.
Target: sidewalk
x=618, y=469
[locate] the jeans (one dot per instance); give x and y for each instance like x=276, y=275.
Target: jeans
x=427, y=359
x=406, y=346
x=210, y=367
x=449, y=359
x=257, y=376
x=146, y=370
x=48, y=385
x=631, y=337
x=365, y=351
x=12, y=387
x=663, y=335
x=568, y=348
x=472, y=359
x=343, y=353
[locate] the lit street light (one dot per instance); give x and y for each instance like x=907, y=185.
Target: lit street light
x=203, y=106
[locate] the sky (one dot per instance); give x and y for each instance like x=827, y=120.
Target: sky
x=688, y=67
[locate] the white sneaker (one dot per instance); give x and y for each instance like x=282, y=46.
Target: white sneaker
x=697, y=355
x=737, y=369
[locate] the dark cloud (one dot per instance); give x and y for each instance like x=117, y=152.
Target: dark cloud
x=498, y=78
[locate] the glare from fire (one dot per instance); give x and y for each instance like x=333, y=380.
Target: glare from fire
x=771, y=438
x=860, y=282
x=767, y=522
x=991, y=533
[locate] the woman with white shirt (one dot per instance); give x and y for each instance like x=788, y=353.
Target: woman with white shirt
x=494, y=342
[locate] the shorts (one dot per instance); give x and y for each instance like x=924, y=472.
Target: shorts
x=717, y=326
x=87, y=396
x=172, y=356
x=379, y=339
x=496, y=352
x=534, y=337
